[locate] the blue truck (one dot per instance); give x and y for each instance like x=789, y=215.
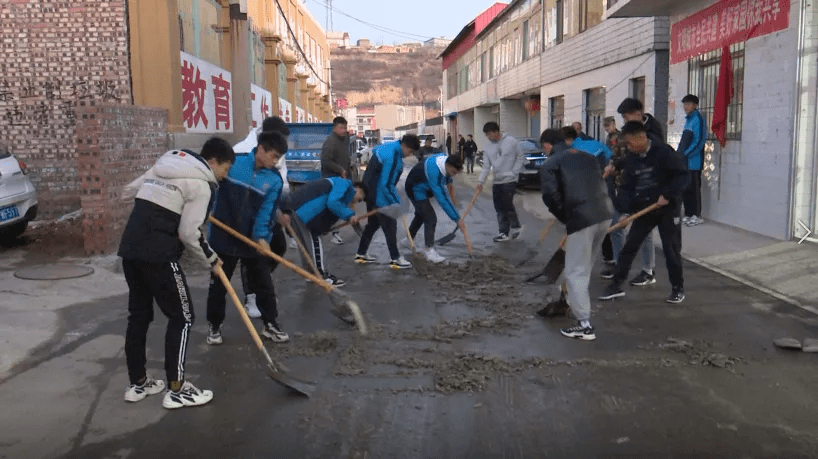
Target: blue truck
x=304, y=154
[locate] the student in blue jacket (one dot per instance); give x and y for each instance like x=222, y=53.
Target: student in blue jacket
x=692, y=146
x=595, y=148
x=247, y=202
x=432, y=178
x=381, y=180
x=316, y=206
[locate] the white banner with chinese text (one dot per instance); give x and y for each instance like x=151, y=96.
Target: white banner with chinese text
x=301, y=115
x=261, y=100
x=285, y=110
x=206, y=96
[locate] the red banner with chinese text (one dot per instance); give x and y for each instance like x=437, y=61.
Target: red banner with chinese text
x=725, y=23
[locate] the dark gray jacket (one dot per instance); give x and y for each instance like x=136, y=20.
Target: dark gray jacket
x=573, y=190
x=335, y=156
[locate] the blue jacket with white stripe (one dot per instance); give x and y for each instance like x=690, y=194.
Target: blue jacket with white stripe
x=429, y=179
x=247, y=202
x=321, y=203
x=693, y=138
x=383, y=174
x=593, y=147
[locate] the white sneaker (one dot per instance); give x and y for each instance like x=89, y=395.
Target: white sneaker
x=251, y=307
x=188, y=395
x=214, y=335
x=273, y=331
x=686, y=220
x=400, y=263
x=695, y=220
x=433, y=256
x=365, y=259
x=336, y=239
x=135, y=393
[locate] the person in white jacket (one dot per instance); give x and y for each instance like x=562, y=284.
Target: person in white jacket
x=274, y=124
x=171, y=202
x=504, y=157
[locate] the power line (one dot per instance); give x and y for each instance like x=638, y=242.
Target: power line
x=298, y=45
x=406, y=35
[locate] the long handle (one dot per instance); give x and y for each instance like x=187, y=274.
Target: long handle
x=471, y=204
x=408, y=234
x=546, y=230
x=303, y=250
x=281, y=260
x=633, y=217
x=237, y=303
x=347, y=223
x=466, y=237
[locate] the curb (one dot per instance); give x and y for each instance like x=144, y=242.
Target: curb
x=751, y=284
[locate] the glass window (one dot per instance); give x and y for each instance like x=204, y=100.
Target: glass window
x=483, y=73
x=534, y=35
x=526, y=43
x=518, y=47
x=637, y=88
x=591, y=12
x=570, y=16
x=557, y=111
x=451, y=83
x=703, y=79
x=492, y=63
x=594, y=112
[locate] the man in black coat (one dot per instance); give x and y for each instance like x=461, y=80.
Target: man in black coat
x=653, y=173
x=575, y=193
x=634, y=110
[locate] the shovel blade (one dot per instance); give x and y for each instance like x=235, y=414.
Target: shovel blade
x=296, y=385
x=358, y=230
x=446, y=239
x=555, y=266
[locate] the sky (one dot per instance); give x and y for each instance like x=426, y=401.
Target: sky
x=414, y=20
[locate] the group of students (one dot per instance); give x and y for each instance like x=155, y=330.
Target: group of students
x=174, y=198
x=590, y=195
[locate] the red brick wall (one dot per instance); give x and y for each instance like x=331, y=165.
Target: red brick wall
x=57, y=58
x=114, y=144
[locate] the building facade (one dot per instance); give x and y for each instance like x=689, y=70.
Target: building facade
x=538, y=64
x=764, y=179
x=217, y=67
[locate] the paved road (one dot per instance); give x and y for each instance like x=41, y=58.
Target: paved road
x=457, y=366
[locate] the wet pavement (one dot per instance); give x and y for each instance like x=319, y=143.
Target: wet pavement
x=456, y=365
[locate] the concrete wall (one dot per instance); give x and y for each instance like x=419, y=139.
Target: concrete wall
x=514, y=118
x=483, y=115
x=753, y=187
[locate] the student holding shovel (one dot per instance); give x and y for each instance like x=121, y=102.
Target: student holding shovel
x=431, y=178
x=653, y=173
x=172, y=201
x=247, y=202
x=575, y=193
x=315, y=207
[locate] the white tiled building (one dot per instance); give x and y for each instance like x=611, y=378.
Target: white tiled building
x=546, y=63
x=765, y=179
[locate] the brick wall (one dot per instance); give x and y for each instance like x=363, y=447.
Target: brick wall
x=58, y=58
x=114, y=144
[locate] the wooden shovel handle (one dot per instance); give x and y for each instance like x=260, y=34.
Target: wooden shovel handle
x=237, y=303
x=633, y=217
x=303, y=250
x=281, y=260
x=471, y=204
x=408, y=234
x=346, y=223
x=546, y=230
x=466, y=237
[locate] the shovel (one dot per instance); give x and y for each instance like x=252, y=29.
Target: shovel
x=393, y=211
x=553, y=269
x=450, y=237
x=339, y=299
x=275, y=370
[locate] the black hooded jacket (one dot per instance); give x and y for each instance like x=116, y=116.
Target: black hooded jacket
x=661, y=171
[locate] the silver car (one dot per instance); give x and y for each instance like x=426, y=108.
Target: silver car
x=18, y=198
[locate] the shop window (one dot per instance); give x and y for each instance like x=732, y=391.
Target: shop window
x=594, y=100
x=637, y=89
x=703, y=79
x=556, y=106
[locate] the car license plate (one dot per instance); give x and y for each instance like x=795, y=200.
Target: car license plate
x=7, y=213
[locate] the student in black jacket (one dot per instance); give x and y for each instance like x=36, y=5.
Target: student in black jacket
x=172, y=200
x=653, y=173
x=634, y=110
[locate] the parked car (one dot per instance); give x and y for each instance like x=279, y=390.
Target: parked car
x=423, y=138
x=535, y=157
x=18, y=198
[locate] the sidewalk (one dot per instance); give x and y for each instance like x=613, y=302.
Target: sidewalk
x=785, y=270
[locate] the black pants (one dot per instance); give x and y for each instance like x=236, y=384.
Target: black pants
x=279, y=247
x=390, y=230
x=424, y=216
x=503, y=195
x=259, y=280
x=670, y=231
x=693, y=195
x=165, y=283
x=607, y=248
x=470, y=164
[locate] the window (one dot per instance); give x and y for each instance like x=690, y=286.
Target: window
x=590, y=13
x=492, y=63
x=451, y=83
x=552, y=29
x=483, y=70
x=534, y=35
x=594, y=111
x=525, y=41
x=463, y=80
x=637, y=89
x=703, y=79
x=557, y=111
x=518, y=48
x=611, y=3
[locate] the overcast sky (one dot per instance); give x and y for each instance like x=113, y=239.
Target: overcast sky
x=414, y=20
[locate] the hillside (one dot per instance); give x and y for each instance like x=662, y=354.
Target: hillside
x=387, y=78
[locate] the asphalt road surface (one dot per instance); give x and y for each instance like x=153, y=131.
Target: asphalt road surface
x=457, y=365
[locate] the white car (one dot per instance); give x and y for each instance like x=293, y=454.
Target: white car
x=18, y=198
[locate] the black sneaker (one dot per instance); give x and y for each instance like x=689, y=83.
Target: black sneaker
x=502, y=237
x=611, y=292
x=273, y=331
x=644, y=278
x=334, y=281
x=608, y=273
x=579, y=332
x=676, y=296
x=554, y=309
